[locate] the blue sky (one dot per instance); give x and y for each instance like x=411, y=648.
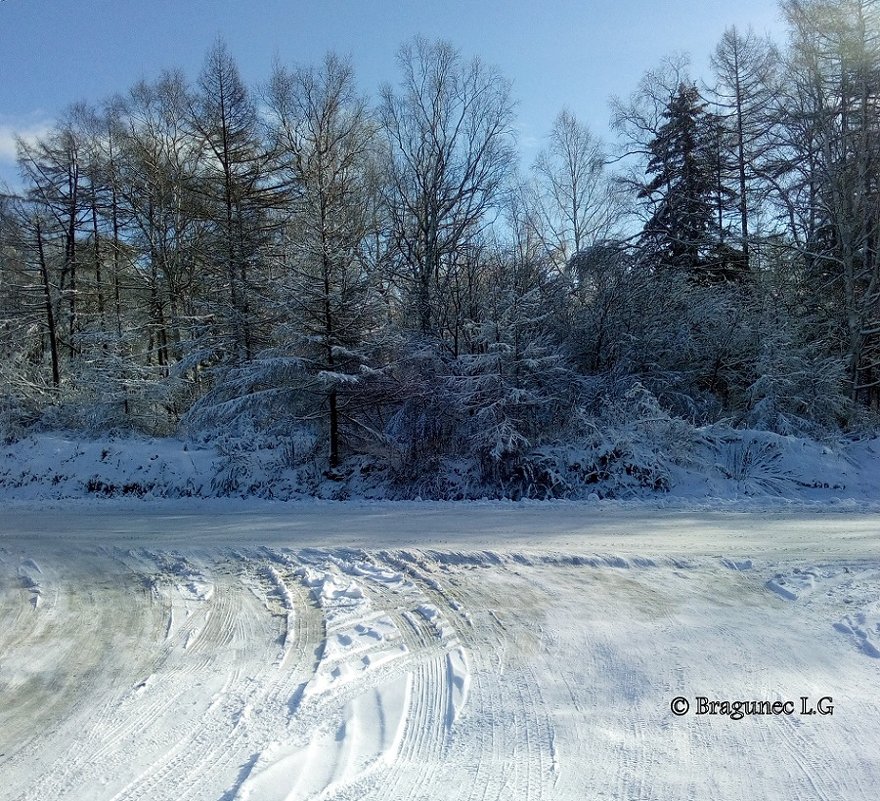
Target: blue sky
x=561, y=53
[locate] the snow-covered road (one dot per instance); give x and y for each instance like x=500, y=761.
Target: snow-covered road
x=436, y=652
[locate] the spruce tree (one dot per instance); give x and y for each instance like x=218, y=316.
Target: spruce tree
x=683, y=190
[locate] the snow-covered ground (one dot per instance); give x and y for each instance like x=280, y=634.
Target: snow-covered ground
x=714, y=465
x=436, y=651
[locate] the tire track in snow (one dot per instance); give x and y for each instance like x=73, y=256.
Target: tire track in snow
x=438, y=666
x=419, y=569
x=148, y=721
x=821, y=590
x=361, y=681
x=813, y=771
x=156, y=729
x=247, y=712
x=82, y=615
x=608, y=625
x=270, y=577
x=18, y=622
x=514, y=734
x=382, y=599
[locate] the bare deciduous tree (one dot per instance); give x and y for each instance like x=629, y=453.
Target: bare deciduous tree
x=449, y=129
x=744, y=66
x=572, y=201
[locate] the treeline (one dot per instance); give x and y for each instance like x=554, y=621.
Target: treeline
x=377, y=281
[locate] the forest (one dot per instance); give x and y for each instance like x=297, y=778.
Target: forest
x=380, y=285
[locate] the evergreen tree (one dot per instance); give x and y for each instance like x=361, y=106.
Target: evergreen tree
x=683, y=190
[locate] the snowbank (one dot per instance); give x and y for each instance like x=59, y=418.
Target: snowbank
x=721, y=466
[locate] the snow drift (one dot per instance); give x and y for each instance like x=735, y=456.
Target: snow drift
x=682, y=466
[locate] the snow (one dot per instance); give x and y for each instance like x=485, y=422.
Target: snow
x=212, y=650
x=716, y=466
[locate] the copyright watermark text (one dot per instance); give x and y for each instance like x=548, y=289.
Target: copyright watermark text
x=737, y=710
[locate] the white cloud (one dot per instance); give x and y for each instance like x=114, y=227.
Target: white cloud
x=27, y=131
x=526, y=137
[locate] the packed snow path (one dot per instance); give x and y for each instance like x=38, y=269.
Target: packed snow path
x=436, y=652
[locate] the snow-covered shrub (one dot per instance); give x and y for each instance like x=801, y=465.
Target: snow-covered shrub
x=797, y=390
x=463, y=426
x=145, y=405
x=17, y=415
x=24, y=394
x=511, y=399
x=254, y=396
x=688, y=343
x=255, y=416
x=633, y=442
x=608, y=467
x=420, y=427
x=239, y=470
x=266, y=464
x=754, y=460
x=605, y=310
x=620, y=443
